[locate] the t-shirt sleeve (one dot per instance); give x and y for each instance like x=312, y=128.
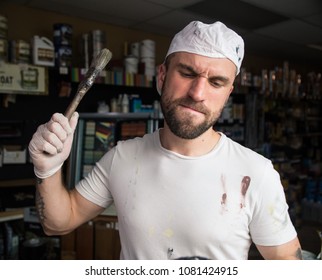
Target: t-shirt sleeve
x=271, y=224
x=94, y=187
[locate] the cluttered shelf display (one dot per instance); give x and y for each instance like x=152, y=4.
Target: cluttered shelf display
x=232, y=121
x=290, y=134
x=98, y=132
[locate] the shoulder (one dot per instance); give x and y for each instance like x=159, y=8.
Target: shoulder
x=243, y=161
x=243, y=154
x=137, y=143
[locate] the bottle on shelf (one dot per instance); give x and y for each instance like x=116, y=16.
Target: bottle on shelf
x=125, y=103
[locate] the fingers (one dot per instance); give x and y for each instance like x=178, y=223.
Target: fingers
x=60, y=119
x=45, y=141
x=73, y=120
x=50, y=137
x=53, y=138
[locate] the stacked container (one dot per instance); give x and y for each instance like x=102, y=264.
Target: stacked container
x=19, y=51
x=131, y=61
x=147, y=57
x=43, y=51
x=92, y=43
x=63, y=44
x=97, y=42
x=3, y=38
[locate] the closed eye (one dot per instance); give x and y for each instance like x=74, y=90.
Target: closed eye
x=215, y=81
x=218, y=81
x=187, y=72
x=188, y=75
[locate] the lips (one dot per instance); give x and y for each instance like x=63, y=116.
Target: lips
x=193, y=108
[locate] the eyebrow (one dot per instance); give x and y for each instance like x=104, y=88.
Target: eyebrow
x=221, y=78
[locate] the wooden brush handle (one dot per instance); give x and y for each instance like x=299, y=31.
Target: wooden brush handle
x=74, y=104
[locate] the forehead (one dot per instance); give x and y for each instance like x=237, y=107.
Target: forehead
x=203, y=64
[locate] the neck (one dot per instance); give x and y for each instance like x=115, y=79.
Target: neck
x=194, y=147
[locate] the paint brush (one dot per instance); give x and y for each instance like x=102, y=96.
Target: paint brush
x=97, y=65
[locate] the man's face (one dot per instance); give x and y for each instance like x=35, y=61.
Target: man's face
x=194, y=91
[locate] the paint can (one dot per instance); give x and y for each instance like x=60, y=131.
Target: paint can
x=135, y=49
x=3, y=50
x=85, y=50
x=43, y=51
x=149, y=66
x=63, y=34
x=29, y=77
x=19, y=51
x=63, y=56
x=3, y=27
x=131, y=64
x=147, y=48
x=97, y=42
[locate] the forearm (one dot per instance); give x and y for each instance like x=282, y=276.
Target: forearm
x=288, y=251
x=53, y=204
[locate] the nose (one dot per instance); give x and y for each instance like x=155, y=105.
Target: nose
x=197, y=88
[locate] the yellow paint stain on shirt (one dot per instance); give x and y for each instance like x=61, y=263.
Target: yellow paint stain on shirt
x=271, y=210
x=276, y=222
x=151, y=231
x=168, y=232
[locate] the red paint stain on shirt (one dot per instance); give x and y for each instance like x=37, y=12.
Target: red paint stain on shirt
x=223, y=198
x=244, y=187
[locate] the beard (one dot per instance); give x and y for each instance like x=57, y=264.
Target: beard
x=181, y=124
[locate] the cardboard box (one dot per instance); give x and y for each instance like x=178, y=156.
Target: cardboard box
x=14, y=155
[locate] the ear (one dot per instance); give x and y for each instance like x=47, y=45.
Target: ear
x=227, y=98
x=231, y=90
x=161, y=72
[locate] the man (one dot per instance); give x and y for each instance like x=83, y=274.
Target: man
x=185, y=190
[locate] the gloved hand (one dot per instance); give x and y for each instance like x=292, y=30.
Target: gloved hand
x=51, y=144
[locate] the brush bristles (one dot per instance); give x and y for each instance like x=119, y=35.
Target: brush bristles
x=102, y=59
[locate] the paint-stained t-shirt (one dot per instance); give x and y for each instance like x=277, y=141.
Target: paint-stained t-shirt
x=172, y=206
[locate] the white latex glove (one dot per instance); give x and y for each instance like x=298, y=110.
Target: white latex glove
x=51, y=144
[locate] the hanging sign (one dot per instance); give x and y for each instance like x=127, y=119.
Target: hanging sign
x=23, y=79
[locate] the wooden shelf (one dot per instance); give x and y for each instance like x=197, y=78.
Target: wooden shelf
x=11, y=215
x=18, y=182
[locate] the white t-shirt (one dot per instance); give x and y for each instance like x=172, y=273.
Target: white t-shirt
x=171, y=206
